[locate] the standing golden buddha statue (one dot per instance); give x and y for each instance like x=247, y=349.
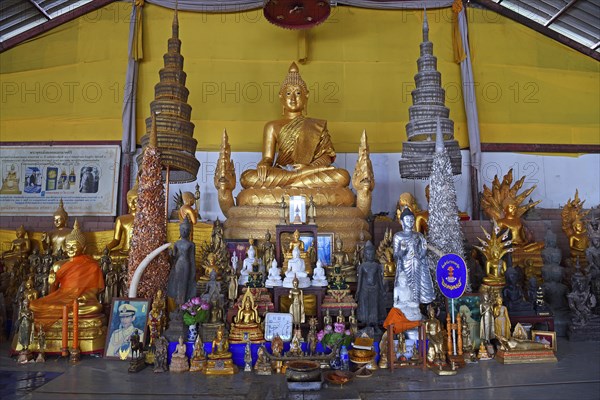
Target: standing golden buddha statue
x=56, y=238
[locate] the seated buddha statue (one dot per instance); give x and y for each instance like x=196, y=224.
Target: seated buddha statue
x=209, y=267
x=56, y=238
x=246, y=324
x=78, y=277
x=296, y=269
x=121, y=243
x=296, y=243
x=421, y=217
x=297, y=150
x=340, y=258
x=247, y=265
x=518, y=234
x=579, y=241
x=220, y=345
x=19, y=249
x=319, y=279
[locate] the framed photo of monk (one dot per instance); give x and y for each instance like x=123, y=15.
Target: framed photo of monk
x=128, y=317
x=545, y=337
x=468, y=306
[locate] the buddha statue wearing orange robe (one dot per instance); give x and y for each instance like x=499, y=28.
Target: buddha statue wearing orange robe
x=79, y=277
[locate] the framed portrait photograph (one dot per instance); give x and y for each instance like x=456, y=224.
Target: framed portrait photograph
x=127, y=317
x=468, y=306
x=545, y=337
x=325, y=243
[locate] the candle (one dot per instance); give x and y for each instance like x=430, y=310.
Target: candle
x=65, y=332
x=75, y=324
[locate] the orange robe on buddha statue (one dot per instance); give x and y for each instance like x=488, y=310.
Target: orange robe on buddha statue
x=80, y=278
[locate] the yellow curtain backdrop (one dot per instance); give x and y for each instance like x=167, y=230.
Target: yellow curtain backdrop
x=68, y=83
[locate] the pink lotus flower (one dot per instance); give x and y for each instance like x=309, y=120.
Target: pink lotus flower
x=338, y=327
x=184, y=307
x=328, y=329
x=320, y=335
x=348, y=333
x=193, y=312
x=196, y=301
x=205, y=306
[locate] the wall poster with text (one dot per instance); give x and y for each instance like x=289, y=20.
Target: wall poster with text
x=35, y=178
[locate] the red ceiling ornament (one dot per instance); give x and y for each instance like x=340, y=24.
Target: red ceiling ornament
x=296, y=14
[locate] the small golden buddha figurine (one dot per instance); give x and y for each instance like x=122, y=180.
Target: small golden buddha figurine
x=198, y=360
x=296, y=242
x=267, y=250
x=56, y=238
x=262, y=366
x=363, y=179
x=435, y=335
x=246, y=322
x=19, y=248
x=496, y=247
x=187, y=209
x=209, y=267
x=340, y=259
x=220, y=346
x=389, y=267
x=297, y=150
x=30, y=293
x=121, y=242
x=297, y=306
x=575, y=229
x=79, y=277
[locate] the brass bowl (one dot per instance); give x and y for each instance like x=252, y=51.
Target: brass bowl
x=361, y=356
x=303, y=371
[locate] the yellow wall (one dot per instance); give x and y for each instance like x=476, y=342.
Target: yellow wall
x=360, y=71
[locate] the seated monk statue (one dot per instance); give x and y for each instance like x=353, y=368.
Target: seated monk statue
x=78, y=277
x=121, y=242
x=19, y=248
x=297, y=150
x=56, y=238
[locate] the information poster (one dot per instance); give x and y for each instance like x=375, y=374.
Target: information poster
x=35, y=178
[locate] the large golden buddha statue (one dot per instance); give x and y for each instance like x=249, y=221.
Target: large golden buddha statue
x=297, y=150
x=504, y=205
x=78, y=277
x=297, y=160
x=121, y=242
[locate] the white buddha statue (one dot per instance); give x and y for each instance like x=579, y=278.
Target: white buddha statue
x=403, y=298
x=274, y=278
x=319, y=279
x=247, y=265
x=296, y=268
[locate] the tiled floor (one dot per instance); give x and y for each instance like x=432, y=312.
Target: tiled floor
x=575, y=376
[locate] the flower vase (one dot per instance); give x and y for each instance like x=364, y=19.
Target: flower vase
x=192, y=332
x=336, y=362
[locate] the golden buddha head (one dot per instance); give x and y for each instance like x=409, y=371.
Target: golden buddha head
x=20, y=232
x=268, y=236
x=29, y=283
x=211, y=258
x=406, y=200
x=132, y=196
x=188, y=198
x=296, y=235
x=293, y=92
x=510, y=209
x=578, y=226
x=60, y=216
x=295, y=282
x=75, y=241
x=338, y=244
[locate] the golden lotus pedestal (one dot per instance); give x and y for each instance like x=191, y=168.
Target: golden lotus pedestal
x=220, y=366
x=92, y=336
x=526, y=356
x=253, y=221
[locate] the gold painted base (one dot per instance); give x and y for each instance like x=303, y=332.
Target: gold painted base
x=253, y=221
x=197, y=365
x=223, y=366
x=526, y=356
x=92, y=336
x=254, y=332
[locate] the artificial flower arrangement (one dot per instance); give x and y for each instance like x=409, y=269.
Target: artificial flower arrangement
x=195, y=310
x=338, y=335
